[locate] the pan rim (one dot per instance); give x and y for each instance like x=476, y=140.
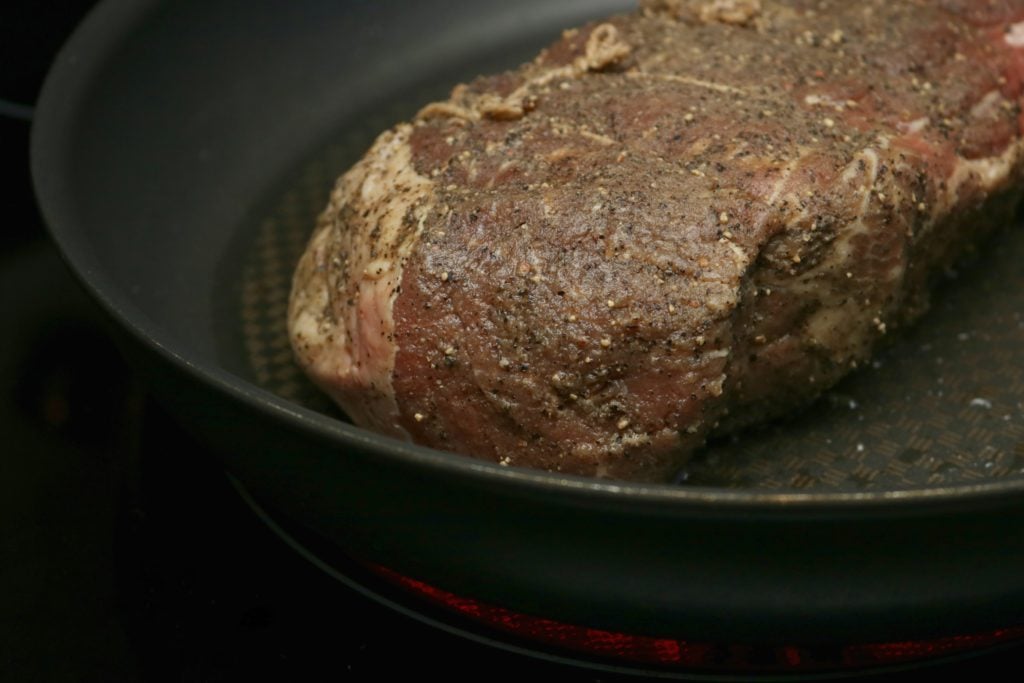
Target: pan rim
x=49, y=150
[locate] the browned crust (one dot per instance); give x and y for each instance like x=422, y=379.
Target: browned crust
x=675, y=222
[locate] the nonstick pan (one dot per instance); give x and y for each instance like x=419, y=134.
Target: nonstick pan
x=180, y=152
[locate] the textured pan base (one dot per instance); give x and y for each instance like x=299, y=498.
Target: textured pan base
x=944, y=405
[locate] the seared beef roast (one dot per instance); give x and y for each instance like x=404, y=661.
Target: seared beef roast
x=669, y=225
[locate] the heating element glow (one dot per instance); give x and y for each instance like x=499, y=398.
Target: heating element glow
x=689, y=654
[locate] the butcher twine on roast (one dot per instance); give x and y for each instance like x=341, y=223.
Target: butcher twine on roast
x=671, y=224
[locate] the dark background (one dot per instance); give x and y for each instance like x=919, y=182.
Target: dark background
x=125, y=554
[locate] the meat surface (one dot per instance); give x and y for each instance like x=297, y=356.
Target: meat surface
x=669, y=225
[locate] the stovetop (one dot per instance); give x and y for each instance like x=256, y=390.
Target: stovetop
x=128, y=555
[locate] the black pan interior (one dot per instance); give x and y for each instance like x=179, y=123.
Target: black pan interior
x=206, y=141
x=201, y=110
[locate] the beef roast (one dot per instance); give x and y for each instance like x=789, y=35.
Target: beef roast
x=669, y=225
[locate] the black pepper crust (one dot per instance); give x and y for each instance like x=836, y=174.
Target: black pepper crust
x=695, y=217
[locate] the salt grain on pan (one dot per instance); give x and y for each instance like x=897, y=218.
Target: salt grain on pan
x=981, y=403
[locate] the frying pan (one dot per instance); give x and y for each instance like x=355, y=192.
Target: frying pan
x=180, y=152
